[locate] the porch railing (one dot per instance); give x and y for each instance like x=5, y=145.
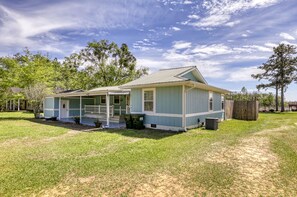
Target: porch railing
x=98, y=109
x=101, y=109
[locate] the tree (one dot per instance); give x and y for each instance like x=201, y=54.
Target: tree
x=105, y=64
x=35, y=95
x=266, y=100
x=279, y=70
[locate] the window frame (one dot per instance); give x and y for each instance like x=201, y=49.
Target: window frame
x=154, y=100
x=222, y=102
x=210, y=101
x=101, y=99
x=115, y=99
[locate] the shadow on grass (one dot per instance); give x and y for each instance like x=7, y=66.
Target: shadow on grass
x=145, y=133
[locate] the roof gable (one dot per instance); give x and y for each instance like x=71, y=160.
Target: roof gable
x=172, y=75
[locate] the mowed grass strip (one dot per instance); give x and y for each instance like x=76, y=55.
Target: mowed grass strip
x=38, y=157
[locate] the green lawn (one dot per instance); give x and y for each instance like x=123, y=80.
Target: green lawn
x=243, y=157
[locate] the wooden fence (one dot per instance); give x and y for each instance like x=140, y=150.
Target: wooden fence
x=242, y=110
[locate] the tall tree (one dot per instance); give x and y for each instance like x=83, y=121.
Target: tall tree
x=105, y=64
x=35, y=94
x=279, y=70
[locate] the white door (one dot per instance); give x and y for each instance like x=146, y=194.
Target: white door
x=64, y=108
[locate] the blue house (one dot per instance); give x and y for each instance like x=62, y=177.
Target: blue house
x=89, y=106
x=175, y=99
x=172, y=99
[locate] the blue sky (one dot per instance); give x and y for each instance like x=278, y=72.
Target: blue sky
x=226, y=39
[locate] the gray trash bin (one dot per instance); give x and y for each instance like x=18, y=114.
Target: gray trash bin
x=211, y=123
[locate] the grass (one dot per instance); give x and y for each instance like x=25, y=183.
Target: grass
x=38, y=158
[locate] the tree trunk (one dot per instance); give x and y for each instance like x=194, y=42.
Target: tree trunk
x=276, y=98
x=282, y=99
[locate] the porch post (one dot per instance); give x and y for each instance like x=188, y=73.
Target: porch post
x=80, y=105
x=6, y=105
x=107, y=109
x=13, y=105
x=59, y=108
x=18, y=104
x=10, y=105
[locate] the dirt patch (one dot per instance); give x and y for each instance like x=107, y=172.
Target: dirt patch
x=157, y=185
x=256, y=164
x=274, y=130
x=68, y=186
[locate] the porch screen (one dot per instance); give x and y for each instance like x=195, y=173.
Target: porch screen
x=148, y=100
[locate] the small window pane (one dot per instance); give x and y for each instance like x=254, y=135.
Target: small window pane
x=117, y=99
x=148, y=95
x=103, y=99
x=210, y=104
x=148, y=106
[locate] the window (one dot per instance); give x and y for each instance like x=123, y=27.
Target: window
x=148, y=100
x=222, y=98
x=210, y=101
x=116, y=99
x=102, y=99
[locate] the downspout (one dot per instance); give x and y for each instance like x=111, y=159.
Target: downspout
x=80, y=102
x=107, y=110
x=184, y=108
x=185, y=91
x=59, y=108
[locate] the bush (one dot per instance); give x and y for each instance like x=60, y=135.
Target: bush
x=271, y=110
x=76, y=119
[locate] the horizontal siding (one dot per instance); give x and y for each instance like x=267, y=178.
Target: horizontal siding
x=192, y=121
x=217, y=101
x=169, y=100
x=51, y=113
x=197, y=101
x=164, y=121
x=74, y=103
x=136, y=100
x=56, y=103
x=190, y=76
x=48, y=103
x=48, y=113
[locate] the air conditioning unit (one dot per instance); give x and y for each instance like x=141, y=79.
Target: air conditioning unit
x=211, y=123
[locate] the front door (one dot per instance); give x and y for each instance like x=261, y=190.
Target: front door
x=64, y=108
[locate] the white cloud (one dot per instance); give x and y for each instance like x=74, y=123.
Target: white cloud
x=286, y=36
x=211, y=50
x=220, y=12
x=270, y=44
x=193, y=16
x=181, y=45
x=175, y=28
x=35, y=27
x=232, y=23
x=244, y=35
x=187, y=2
x=243, y=74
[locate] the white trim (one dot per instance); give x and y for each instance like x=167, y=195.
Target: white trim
x=161, y=114
x=107, y=110
x=67, y=98
x=49, y=97
x=183, y=107
x=210, y=96
x=80, y=106
x=154, y=100
x=119, y=100
x=59, y=108
x=51, y=109
x=204, y=113
x=162, y=127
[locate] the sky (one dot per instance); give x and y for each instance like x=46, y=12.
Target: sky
x=226, y=39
